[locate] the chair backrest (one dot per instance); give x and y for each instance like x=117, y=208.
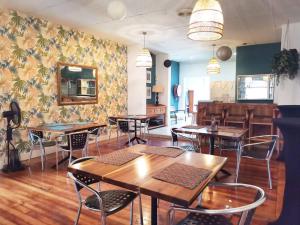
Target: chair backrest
x=78, y=140
x=94, y=130
x=82, y=180
x=237, y=110
x=174, y=135
x=214, y=109
x=112, y=120
x=124, y=125
x=35, y=135
x=263, y=111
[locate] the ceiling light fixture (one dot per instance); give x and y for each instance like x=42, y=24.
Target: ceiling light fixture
x=144, y=58
x=213, y=66
x=206, y=22
x=117, y=10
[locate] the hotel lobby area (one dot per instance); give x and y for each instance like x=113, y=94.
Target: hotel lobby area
x=147, y=112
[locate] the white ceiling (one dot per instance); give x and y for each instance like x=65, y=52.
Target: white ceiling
x=245, y=21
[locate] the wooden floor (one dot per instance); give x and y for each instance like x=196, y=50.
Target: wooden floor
x=35, y=197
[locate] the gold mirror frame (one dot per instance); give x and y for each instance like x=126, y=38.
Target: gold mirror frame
x=75, y=100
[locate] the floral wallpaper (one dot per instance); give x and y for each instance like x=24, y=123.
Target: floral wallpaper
x=29, y=51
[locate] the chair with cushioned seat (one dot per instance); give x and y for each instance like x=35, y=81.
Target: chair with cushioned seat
x=36, y=139
x=259, y=148
x=106, y=202
x=204, y=216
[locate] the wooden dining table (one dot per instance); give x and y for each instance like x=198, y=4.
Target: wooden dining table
x=65, y=128
x=134, y=118
x=137, y=175
x=227, y=132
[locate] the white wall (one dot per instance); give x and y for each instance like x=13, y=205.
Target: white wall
x=136, y=83
x=228, y=73
x=288, y=91
x=163, y=77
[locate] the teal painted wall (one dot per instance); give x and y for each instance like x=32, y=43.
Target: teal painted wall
x=255, y=59
x=153, y=79
x=174, y=81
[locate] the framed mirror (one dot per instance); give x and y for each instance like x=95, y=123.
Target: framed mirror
x=255, y=87
x=77, y=84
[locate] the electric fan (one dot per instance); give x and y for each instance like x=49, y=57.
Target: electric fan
x=13, y=117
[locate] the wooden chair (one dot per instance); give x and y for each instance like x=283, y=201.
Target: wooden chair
x=213, y=110
x=261, y=116
x=236, y=114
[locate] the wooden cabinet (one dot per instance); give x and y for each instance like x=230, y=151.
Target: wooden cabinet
x=158, y=115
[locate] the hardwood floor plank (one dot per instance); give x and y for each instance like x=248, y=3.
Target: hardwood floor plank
x=35, y=197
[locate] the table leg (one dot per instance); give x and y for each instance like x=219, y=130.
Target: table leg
x=153, y=211
x=212, y=152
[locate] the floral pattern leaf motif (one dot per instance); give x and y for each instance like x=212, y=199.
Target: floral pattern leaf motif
x=33, y=46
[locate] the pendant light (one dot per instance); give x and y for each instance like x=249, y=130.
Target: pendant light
x=213, y=66
x=144, y=58
x=206, y=22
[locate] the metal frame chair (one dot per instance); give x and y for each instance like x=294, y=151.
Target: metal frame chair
x=112, y=125
x=143, y=126
x=95, y=133
x=76, y=141
x=216, y=216
x=106, y=202
x=253, y=154
x=124, y=126
x=36, y=138
x=195, y=142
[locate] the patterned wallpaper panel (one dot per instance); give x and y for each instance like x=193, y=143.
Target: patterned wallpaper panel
x=29, y=51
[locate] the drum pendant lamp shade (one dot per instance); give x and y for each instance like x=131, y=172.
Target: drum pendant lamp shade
x=206, y=22
x=143, y=58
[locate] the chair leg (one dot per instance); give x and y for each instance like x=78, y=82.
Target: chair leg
x=78, y=213
x=269, y=174
x=131, y=213
x=97, y=145
x=42, y=158
x=141, y=209
x=30, y=155
x=199, y=199
x=171, y=215
x=56, y=157
x=103, y=219
x=70, y=158
x=238, y=166
x=109, y=134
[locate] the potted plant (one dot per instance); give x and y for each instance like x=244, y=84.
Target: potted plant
x=285, y=63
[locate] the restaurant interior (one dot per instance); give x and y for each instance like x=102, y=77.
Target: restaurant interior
x=149, y=112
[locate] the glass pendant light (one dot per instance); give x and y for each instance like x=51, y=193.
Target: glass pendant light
x=213, y=66
x=144, y=58
x=206, y=22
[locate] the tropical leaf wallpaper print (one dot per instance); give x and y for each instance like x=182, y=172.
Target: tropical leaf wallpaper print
x=29, y=51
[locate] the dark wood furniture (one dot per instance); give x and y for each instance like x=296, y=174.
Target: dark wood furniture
x=211, y=111
x=137, y=175
x=134, y=118
x=191, y=101
x=236, y=115
x=156, y=112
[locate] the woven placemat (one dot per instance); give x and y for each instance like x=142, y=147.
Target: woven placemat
x=183, y=175
x=170, y=152
x=118, y=158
